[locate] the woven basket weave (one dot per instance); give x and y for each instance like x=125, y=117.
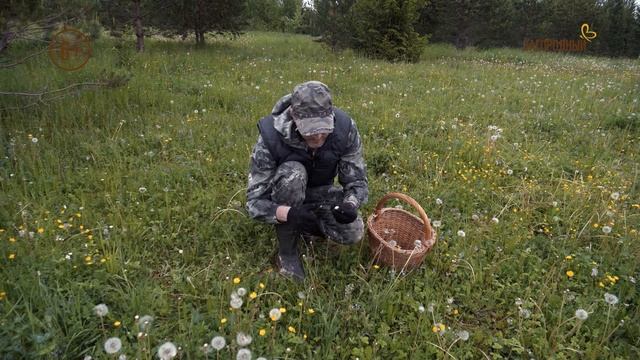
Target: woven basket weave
x=387, y=224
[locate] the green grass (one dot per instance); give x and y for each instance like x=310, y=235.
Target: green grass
x=160, y=190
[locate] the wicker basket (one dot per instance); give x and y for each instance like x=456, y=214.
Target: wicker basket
x=386, y=225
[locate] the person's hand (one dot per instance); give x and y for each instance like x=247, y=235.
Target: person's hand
x=303, y=218
x=345, y=213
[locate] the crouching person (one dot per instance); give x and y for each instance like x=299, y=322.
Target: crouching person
x=303, y=145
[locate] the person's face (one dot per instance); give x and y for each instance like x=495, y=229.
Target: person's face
x=315, y=141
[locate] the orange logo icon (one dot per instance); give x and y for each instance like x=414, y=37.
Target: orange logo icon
x=586, y=33
x=69, y=49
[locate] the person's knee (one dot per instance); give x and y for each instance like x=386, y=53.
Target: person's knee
x=290, y=183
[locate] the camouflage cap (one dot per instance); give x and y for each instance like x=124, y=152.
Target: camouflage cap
x=312, y=109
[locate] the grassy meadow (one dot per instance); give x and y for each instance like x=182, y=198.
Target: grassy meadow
x=134, y=197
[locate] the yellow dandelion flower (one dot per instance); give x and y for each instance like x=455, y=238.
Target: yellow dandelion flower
x=311, y=311
x=616, y=277
x=283, y=310
x=103, y=260
x=455, y=311
x=300, y=303
x=12, y=256
x=40, y=230
x=304, y=336
x=1, y=231
x=89, y=236
x=236, y=280
x=117, y=323
x=291, y=329
x=568, y=257
x=223, y=321
x=87, y=258
x=434, y=329
x=262, y=286
x=570, y=273
x=376, y=266
x=3, y=295
x=601, y=284
x=253, y=295
x=78, y=215
x=12, y=239
x=262, y=332
x=442, y=327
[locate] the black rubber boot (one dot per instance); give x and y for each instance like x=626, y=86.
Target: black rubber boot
x=288, y=260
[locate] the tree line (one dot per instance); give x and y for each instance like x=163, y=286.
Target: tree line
x=396, y=30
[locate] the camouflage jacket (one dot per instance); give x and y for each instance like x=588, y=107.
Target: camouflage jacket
x=352, y=173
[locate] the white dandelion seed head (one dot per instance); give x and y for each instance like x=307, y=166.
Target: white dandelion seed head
x=195, y=111
x=436, y=223
x=417, y=244
x=167, y=351
x=430, y=307
x=495, y=220
x=594, y=272
x=275, y=314
x=582, y=314
x=525, y=313
x=494, y=138
x=439, y=201
x=450, y=300
x=261, y=358
x=101, y=310
x=235, y=302
x=88, y=357
x=610, y=299
x=241, y=291
x=142, y=189
x=112, y=345
x=421, y=308
x=461, y=233
x=34, y=140
x=122, y=357
x=509, y=172
x=606, y=229
x=463, y=335
x=243, y=354
x=615, y=196
x=243, y=339
x=475, y=217
x=518, y=302
x=218, y=343
x=301, y=295
x=144, y=322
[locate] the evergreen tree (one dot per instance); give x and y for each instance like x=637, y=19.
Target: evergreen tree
x=385, y=29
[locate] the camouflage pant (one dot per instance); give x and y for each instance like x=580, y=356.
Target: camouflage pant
x=290, y=188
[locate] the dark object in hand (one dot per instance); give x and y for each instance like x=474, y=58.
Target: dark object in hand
x=345, y=213
x=303, y=218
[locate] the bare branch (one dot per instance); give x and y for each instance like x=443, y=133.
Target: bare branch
x=5, y=66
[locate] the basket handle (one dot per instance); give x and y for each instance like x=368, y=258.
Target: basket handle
x=428, y=232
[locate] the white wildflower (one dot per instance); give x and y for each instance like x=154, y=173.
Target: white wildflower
x=436, y=223
x=244, y=354
x=142, y=189
x=421, y=308
x=218, y=343
x=167, y=351
x=509, y=172
x=236, y=302
x=594, y=272
x=112, y=345
x=463, y=335
x=461, y=233
x=144, y=322
x=275, y=314
x=101, y=310
x=525, y=313
x=243, y=339
x=610, y=299
x=606, y=229
x=582, y=314
x=439, y=201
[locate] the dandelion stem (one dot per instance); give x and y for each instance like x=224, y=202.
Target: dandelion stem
x=606, y=325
